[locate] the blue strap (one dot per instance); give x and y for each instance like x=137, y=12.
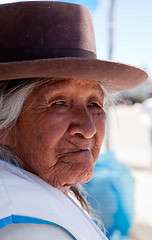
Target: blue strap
x=17, y=219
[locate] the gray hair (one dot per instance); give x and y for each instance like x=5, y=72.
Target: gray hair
x=11, y=102
x=12, y=98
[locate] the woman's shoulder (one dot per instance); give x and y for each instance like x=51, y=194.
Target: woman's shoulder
x=34, y=231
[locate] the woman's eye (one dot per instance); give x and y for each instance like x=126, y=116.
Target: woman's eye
x=59, y=103
x=94, y=104
x=95, y=108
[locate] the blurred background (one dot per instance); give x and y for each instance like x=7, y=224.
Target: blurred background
x=122, y=183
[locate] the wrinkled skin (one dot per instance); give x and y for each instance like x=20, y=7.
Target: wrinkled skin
x=60, y=131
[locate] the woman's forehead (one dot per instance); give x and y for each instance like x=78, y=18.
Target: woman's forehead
x=62, y=84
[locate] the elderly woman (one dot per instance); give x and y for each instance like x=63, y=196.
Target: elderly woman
x=52, y=118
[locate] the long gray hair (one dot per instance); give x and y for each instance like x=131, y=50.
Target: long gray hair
x=13, y=94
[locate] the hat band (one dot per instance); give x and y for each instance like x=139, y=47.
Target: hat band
x=24, y=54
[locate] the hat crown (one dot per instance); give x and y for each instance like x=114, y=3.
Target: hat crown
x=56, y=39
x=46, y=25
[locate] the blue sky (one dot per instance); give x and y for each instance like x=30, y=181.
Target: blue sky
x=132, y=29
x=91, y=4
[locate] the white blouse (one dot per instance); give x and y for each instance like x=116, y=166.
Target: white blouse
x=31, y=209
x=33, y=232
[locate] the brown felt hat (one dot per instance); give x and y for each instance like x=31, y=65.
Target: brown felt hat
x=56, y=39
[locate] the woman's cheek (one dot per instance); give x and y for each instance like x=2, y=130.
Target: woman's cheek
x=51, y=129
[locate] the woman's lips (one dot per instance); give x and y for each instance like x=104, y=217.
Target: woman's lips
x=75, y=152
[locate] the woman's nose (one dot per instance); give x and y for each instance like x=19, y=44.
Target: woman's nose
x=82, y=124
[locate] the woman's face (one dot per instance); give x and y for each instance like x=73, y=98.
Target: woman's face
x=60, y=131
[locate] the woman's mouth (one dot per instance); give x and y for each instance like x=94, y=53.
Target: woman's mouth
x=74, y=152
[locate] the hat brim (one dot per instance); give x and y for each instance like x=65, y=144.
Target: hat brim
x=116, y=76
